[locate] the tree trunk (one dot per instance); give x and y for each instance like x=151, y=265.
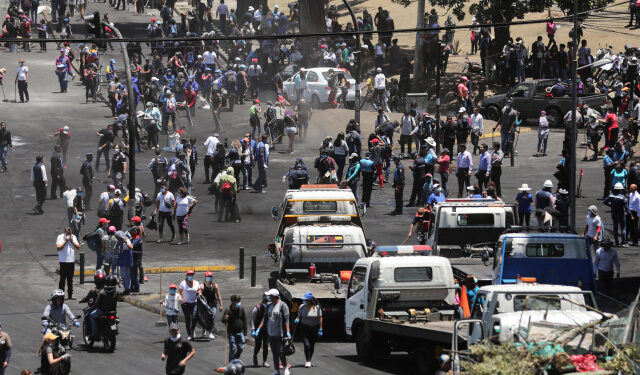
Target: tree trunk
x=418, y=67
x=312, y=20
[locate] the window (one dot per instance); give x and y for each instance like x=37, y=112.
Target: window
x=541, y=87
x=357, y=280
x=340, y=73
x=325, y=241
x=536, y=302
x=409, y=274
x=545, y=250
x=467, y=220
x=520, y=91
x=312, y=77
x=320, y=206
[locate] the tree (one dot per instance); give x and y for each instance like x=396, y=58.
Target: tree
x=505, y=11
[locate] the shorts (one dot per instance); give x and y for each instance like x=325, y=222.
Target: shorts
x=291, y=130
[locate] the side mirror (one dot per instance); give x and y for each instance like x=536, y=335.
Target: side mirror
x=485, y=256
x=337, y=283
x=274, y=213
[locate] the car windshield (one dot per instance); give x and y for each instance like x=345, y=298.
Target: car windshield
x=339, y=73
x=536, y=302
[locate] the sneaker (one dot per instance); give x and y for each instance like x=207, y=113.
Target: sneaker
x=189, y=338
x=211, y=336
x=307, y=364
x=266, y=364
x=287, y=372
x=159, y=241
x=204, y=332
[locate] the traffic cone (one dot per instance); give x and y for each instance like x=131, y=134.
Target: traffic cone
x=464, y=303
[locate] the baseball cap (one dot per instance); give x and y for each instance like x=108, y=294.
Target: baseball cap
x=137, y=219
x=173, y=327
x=307, y=295
x=50, y=336
x=173, y=286
x=103, y=220
x=273, y=292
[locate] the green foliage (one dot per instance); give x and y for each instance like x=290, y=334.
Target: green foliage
x=626, y=361
x=500, y=360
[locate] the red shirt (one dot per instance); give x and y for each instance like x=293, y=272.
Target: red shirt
x=612, y=120
x=443, y=164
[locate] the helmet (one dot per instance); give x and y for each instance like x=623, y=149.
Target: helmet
x=99, y=278
x=110, y=283
x=58, y=293
x=236, y=367
x=208, y=273
x=548, y=184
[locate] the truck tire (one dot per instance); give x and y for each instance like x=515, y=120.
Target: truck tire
x=492, y=113
x=424, y=359
x=364, y=346
x=273, y=277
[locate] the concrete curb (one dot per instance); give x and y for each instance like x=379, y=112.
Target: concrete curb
x=497, y=134
x=155, y=270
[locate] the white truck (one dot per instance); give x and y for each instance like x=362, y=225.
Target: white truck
x=401, y=304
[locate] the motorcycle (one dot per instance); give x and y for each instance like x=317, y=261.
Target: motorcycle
x=63, y=331
x=107, y=329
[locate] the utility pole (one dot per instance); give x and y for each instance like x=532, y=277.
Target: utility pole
x=131, y=122
x=572, y=133
x=357, y=54
x=417, y=57
x=438, y=73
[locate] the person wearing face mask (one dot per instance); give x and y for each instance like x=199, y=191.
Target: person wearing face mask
x=276, y=320
x=188, y=292
x=165, y=207
x=261, y=340
x=177, y=351
x=309, y=320
x=171, y=304
x=118, y=168
x=211, y=293
x=236, y=322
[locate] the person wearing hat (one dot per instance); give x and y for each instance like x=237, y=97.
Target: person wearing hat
x=562, y=205
x=188, y=291
x=49, y=364
x=176, y=351
x=171, y=305
x=379, y=87
x=211, y=292
x=276, y=320
x=524, y=199
x=593, y=227
x=603, y=265
x=309, y=321
x=618, y=203
x=544, y=198
x=5, y=350
x=22, y=76
x=254, y=71
x=63, y=136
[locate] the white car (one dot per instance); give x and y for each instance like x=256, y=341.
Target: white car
x=317, y=92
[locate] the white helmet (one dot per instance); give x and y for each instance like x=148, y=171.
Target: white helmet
x=618, y=186
x=57, y=293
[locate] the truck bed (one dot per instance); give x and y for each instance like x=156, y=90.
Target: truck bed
x=439, y=332
x=320, y=290
x=466, y=266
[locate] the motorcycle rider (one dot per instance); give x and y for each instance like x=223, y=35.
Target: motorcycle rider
x=98, y=279
x=419, y=223
x=107, y=301
x=58, y=311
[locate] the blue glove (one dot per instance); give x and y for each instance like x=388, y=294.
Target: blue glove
x=296, y=321
x=320, y=332
x=257, y=332
x=76, y=323
x=254, y=333
x=288, y=335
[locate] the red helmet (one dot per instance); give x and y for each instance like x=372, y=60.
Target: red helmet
x=98, y=278
x=190, y=272
x=208, y=273
x=173, y=286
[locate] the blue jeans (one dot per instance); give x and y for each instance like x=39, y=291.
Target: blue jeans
x=189, y=310
x=172, y=319
x=236, y=345
x=542, y=142
x=111, y=262
x=254, y=83
x=99, y=258
x=62, y=79
x=105, y=153
x=354, y=188
x=589, y=241
x=3, y=156
x=246, y=175
x=94, y=324
x=619, y=224
x=444, y=179
x=125, y=272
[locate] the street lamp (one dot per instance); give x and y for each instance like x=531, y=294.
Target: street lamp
x=357, y=54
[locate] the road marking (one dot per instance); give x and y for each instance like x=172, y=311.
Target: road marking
x=154, y=270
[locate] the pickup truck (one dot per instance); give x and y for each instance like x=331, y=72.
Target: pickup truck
x=530, y=97
x=401, y=304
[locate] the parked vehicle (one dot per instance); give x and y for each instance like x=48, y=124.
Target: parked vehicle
x=318, y=86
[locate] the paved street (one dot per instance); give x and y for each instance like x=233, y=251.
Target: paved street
x=28, y=260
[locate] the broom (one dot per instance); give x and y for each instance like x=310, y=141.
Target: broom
x=161, y=322
x=226, y=347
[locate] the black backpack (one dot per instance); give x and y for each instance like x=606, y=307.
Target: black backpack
x=116, y=210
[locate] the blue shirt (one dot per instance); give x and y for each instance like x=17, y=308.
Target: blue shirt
x=620, y=177
x=464, y=161
x=366, y=165
x=485, y=162
x=607, y=161
x=433, y=198
x=524, y=200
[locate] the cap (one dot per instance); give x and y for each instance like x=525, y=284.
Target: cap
x=117, y=192
x=462, y=109
x=379, y=70
x=375, y=140
x=190, y=272
x=50, y=336
x=563, y=192
x=103, y=221
x=174, y=327
x=111, y=187
x=173, y=286
x=111, y=229
x=464, y=78
x=273, y=292
x=254, y=60
x=208, y=273
x=137, y=219
x=593, y=209
x=548, y=184
x=307, y=295
x=354, y=155
x=89, y=154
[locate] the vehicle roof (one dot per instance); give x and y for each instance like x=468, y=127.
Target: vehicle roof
x=471, y=203
x=334, y=228
x=411, y=260
x=543, y=235
x=320, y=194
x=529, y=288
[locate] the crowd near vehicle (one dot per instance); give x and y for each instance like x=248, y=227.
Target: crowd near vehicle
x=531, y=97
x=318, y=89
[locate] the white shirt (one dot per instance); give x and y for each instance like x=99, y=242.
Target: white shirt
x=44, y=174
x=380, y=82
x=104, y=200
x=189, y=293
x=593, y=223
x=183, y=205
x=209, y=57
x=211, y=143
x=634, y=201
x=22, y=72
x=69, y=196
x=172, y=304
x=408, y=123
x=67, y=253
x=165, y=198
x=477, y=123
x=380, y=49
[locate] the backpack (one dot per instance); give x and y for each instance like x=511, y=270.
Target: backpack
x=231, y=79
x=226, y=188
x=111, y=244
x=116, y=210
x=159, y=168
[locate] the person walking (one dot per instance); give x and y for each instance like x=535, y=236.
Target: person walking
x=69, y=196
x=171, y=305
x=22, y=77
x=5, y=145
x=228, y=191
x=261, y=340
x=5, y=350
x=211, y=292
x=86, y=170
x=262, y=160
x=464, y=169
x=66, y=244
x=185, y=204
x=188, y=291
x=524, y=199
x=39, y=181
x=543, y=134
x=619, y=206
x=104, y=146
x=165, y=207
x=277, y=325
x=603, y=265
x=236, y=321
x=368, y=176
x=177, y=351
x=57, y=173
x=398, y=185
x=593, y=227
x=309, y=321
x=118, y=169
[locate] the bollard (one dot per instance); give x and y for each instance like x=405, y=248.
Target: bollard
x=241, y=263
x=253, y=270
x=82, y=268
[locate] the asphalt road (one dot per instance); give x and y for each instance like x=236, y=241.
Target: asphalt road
x=28, y=262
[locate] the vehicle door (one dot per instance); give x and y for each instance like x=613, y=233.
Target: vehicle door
x=289, y=87
x=315, y=86
x=521, y=96
x=355, y=303
x=431, y=238
x=540, y=99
